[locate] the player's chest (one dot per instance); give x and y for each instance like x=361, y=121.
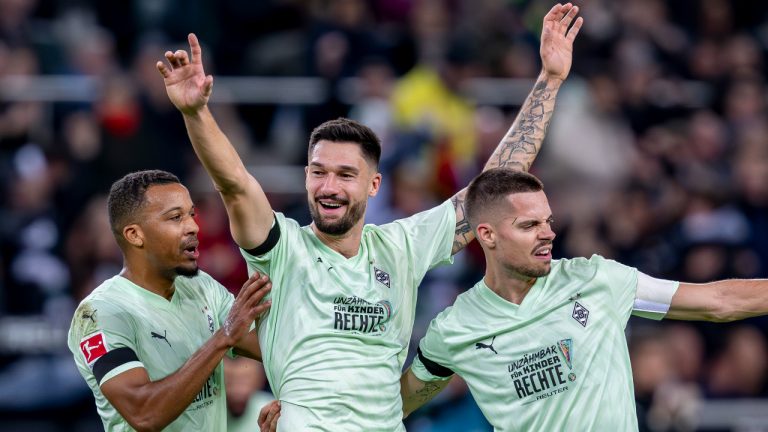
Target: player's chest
x=177, y=331
x=359, y=297
x=544, y=354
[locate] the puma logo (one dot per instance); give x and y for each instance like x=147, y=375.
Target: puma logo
x=480, y=345
x=162, y=336
x=90, y=316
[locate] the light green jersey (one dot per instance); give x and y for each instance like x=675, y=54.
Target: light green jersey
x=337, y=335
x=556, y=362
x=121, y=326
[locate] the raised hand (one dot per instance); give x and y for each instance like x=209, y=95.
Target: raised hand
x=557, y=39
x=185, y=81
x=246, y=308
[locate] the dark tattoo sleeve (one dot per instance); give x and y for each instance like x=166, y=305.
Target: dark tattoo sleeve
x=519, y=147
x=464, y=233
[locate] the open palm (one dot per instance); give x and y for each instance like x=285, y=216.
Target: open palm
x=557, y=39
x=185, y=81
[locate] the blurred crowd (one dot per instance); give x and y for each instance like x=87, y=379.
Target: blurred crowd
x=657, y=156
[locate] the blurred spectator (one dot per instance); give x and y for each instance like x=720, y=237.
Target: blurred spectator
x=245, y=381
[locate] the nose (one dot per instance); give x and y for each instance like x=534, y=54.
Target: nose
x=546, y=232
x=192, y=227
x=330, y=185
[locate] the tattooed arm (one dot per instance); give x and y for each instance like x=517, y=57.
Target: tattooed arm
x=416, y=392
x=521, y=144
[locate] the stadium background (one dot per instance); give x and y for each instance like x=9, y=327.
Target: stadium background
x=657, y=156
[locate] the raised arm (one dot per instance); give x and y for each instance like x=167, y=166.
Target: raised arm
x=250, y=215
x=153, y=405
x=416, y=392
x=722, y=301
x=522, y=142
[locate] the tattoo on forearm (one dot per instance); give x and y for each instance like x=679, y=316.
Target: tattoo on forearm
x=519, y=148
x=463, y=233
x=429, y=391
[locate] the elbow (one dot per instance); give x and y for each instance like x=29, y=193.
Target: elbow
x=147, y=424
x=147, y=420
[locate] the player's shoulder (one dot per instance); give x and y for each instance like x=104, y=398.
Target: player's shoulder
x=111, y=293
x=466, y=305
x=403, y=225
x=579, y=264
x=592, y=268
x=200, y=285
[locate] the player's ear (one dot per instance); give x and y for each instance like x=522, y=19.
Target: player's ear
x=375, y=184
x=486, y=236
x=134, y=235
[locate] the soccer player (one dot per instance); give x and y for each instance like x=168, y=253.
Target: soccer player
x=150, y=341
x=344, y=292
x=540, y=342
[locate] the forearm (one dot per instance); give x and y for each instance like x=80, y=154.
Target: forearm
x=416, y=392
x=156, y=404
x=218, y=156
x=517, y=149
x=249, y=346
x=721, y=301
x=521, y=144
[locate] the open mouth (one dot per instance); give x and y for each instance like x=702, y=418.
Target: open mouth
x=331, y=206
x=544, y=252
x=191, y=250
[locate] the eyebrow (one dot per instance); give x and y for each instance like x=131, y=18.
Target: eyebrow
x=177, y=208
x=338, y=167
x=526, y=220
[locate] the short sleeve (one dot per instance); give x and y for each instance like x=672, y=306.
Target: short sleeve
x=621, y=280
x=429, y=236
x=431, y=362
x=102, y=339
x=262, y=257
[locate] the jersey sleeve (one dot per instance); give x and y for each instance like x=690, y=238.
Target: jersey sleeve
x=432, y=360
x=429, y=236
x=102, y=339
x=260, y=258
x=621, y=281
x=654, y=296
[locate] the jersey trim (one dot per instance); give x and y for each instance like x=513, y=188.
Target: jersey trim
x=271, y=241
x=432, y=367
x=111, y=360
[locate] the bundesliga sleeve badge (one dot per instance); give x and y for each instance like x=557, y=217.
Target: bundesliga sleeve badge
x=93, y=347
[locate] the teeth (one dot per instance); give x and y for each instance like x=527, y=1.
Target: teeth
x=332, y=205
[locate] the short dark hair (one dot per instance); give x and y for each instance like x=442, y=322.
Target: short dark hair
x=126, y=195
x=491, y=187
x=346, y=130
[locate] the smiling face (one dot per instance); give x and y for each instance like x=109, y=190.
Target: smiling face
x=518, y=237
x=168, y=230
x=339, y=182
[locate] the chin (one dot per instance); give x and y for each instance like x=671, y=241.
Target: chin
x=187, y=271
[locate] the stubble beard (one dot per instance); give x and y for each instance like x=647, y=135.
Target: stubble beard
x=187, y=271
x=341, y=226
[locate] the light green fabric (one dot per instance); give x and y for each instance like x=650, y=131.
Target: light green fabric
x=336, y=337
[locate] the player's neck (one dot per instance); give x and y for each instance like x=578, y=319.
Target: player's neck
x=150, y=280
x=347, y=244
x=511, y=287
